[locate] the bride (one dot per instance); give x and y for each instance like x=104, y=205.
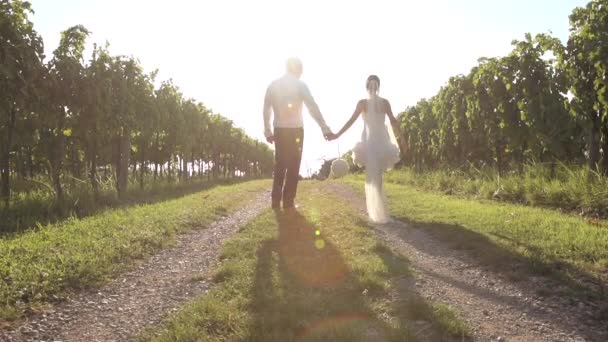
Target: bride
x=378, y=150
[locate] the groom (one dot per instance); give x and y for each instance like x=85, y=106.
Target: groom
x=284, y=98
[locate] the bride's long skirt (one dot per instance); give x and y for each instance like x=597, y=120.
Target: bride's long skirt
x=377, y=156
x=375, y=198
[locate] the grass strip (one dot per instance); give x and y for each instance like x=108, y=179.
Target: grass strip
x=569, y=189
x=42, y=265
x=516, y=240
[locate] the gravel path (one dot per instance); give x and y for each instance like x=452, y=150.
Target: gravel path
x=142, y=297
x=495, y=308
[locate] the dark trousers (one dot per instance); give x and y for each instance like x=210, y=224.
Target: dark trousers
x=288, y=144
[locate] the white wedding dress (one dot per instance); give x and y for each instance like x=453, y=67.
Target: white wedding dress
x=377, y=152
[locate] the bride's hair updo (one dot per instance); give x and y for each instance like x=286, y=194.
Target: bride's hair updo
x=373, y=84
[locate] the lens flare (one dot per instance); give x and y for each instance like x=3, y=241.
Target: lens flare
x=307, y=255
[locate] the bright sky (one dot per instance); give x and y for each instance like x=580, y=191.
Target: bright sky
x=225, y=52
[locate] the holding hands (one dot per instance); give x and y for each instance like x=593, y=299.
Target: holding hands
x=331, y=136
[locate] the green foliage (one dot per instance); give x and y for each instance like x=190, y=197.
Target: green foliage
x=34, y=203
x=543, y=102
x=553, y=186
x=585, y=61
x=20, y=69
x=71, y=119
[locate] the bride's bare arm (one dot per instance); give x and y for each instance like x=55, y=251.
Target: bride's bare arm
x=396, y=128
x=351, y=121
x=391, y=116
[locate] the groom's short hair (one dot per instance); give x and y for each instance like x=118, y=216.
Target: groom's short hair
x=294, y=66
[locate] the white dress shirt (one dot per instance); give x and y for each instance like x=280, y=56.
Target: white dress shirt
x=284, y=97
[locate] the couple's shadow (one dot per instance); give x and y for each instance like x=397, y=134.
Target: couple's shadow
x=304, y=290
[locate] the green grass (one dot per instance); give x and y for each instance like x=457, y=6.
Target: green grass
x=33, y=202
x=42, y=265
x=568, y=188
x=516, y=240
x=319, y=275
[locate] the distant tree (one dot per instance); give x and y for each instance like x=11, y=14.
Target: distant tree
x=585, y=61
x=65, y=83
x=21, y=55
